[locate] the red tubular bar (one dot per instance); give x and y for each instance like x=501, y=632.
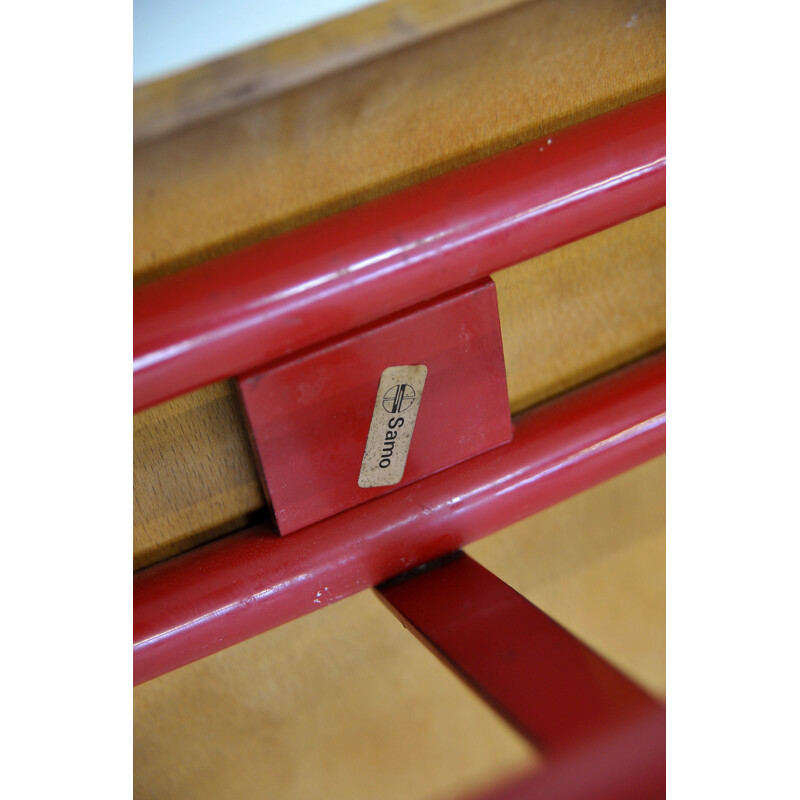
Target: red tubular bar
x=549, y=685
x=243, y=310
x=246, y=583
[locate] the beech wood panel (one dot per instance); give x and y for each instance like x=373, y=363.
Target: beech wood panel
x=194, y=475
x=584, y=309
x=344, y=703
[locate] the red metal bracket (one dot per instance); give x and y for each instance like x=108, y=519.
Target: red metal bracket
x=312, y=416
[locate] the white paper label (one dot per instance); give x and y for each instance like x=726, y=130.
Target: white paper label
x=393, y=420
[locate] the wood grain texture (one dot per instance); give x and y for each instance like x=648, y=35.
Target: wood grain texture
x=584, y=309
x=222, y=85
x=389, y=123
x=194, y=477
x=344, y=703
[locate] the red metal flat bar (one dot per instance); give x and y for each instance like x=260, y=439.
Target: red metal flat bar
x=550, y=686
x=603, y=736
x=233, y=314
x=246, y=583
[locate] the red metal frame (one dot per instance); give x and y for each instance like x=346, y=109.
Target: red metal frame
x=551, y=687
x=234, y=314
x=227, y=591
x=602, y=736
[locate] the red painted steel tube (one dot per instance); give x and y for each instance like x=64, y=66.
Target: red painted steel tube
x=243, y=310
x=246, y=583
x=550, y=686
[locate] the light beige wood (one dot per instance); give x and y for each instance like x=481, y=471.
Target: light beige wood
x=344, y=703
x=194, y=477
x=191, y=96
x=584, y=309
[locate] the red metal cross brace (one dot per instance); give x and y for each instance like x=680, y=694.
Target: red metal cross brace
x=603, y=736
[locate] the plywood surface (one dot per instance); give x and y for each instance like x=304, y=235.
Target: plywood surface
x=344, y=703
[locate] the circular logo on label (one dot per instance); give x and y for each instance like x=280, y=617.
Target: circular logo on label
x=399, y=398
